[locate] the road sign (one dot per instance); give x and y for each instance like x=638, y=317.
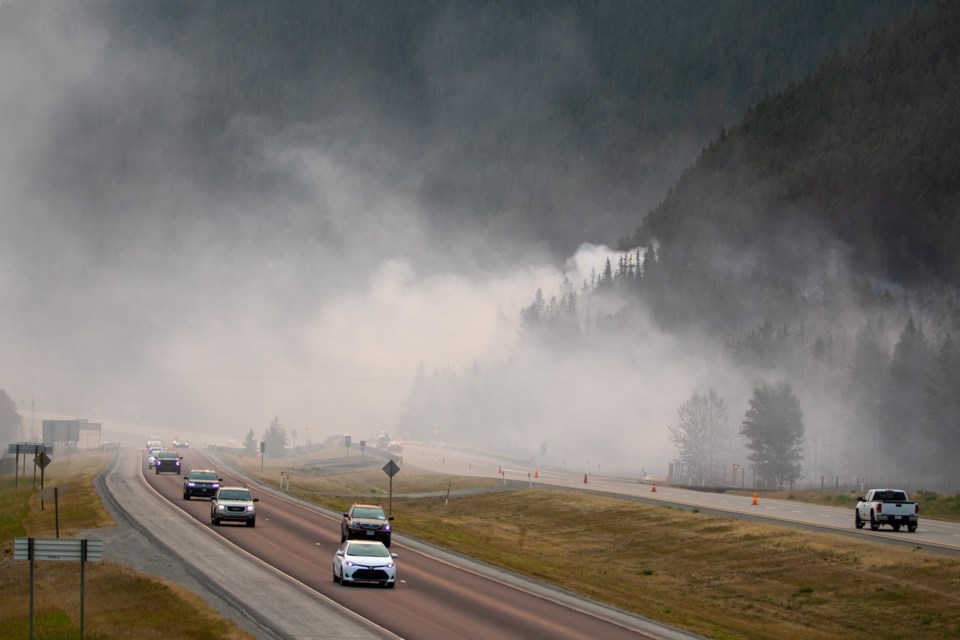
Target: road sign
x=42, y=460
x=57, y=549
x=391, y=468
x=347, y=440
x=29, y=447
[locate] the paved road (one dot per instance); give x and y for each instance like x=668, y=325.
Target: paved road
x=932, y=534
x=438, y=595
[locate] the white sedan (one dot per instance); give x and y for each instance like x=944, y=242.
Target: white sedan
x=364, y=561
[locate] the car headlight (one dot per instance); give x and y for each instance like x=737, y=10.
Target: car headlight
x=386, y=527
x=221, y=507
x=349, y=563
x=250, y=507
x=191, y=484
x=215, y=485
x=389, y=566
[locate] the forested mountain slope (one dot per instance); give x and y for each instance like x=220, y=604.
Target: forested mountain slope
x=545, y=120
x=858, y=161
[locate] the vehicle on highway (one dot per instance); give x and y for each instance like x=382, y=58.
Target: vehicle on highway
x=181, y=444
x=887, y=506
x=201, y=482
x=367, y=521
x=167, y=461
x=152, y=457
x=364, y=561
x=234, y=504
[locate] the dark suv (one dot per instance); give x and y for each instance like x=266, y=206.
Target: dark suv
x=167, y=461
x=201, y=482
x=367, y=522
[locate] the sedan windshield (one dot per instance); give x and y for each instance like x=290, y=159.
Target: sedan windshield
x=203, y=475
x=368, y=550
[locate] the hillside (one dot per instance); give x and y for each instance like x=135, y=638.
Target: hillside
x=858, y=160
x=553, y=122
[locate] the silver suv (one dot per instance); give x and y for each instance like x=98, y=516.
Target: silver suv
x=233, y=503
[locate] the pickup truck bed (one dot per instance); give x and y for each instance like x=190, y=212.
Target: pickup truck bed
x=887, y=507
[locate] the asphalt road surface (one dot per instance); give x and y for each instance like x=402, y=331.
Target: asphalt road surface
x=931, y=534
x=437, y=595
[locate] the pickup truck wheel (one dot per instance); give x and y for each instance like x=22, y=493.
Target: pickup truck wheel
x=911, y=528
x=857, y=521
x=874, y=525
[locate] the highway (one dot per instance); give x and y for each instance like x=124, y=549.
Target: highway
x=932, y=534
x=434, y=597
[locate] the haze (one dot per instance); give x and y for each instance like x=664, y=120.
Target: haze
x=140, y=284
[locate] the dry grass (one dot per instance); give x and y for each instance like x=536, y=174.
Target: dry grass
x=722, y=578
x=119, y=602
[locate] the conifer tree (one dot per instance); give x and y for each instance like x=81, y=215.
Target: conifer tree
x=773, y=428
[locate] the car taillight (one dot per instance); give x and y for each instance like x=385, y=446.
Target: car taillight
x=879, y=507
x=916, y=509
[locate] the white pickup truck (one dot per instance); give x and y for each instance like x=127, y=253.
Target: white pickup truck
x=887, y=506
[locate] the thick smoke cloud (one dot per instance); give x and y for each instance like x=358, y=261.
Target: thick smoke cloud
x=140, y=284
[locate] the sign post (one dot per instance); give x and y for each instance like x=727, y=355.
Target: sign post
x=391, y=469
x=82, y=550
x=24, y=448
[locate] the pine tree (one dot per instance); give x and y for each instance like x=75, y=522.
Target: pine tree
x=275, y=438
x=902, y=413
x=10, y=420
x=942, y=417
x=773, y=428
x=701, y=435
x=250, y=443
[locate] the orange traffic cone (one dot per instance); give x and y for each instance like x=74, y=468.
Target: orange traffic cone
x=584, y=478
x=536, y=474
x=654, y=489
x=755, y=498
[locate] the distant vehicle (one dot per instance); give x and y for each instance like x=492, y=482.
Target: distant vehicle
x=181, y=444
x=887, y=506
x=233, y=504
x=200, y=482
x=364, y=561
x=152, y=458
x=394, y=447
x=154, y=445
x=383, y=439
x=367, y=521
x=167, y=461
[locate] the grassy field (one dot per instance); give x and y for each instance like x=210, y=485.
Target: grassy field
x=721, y=578
x=119, y=603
